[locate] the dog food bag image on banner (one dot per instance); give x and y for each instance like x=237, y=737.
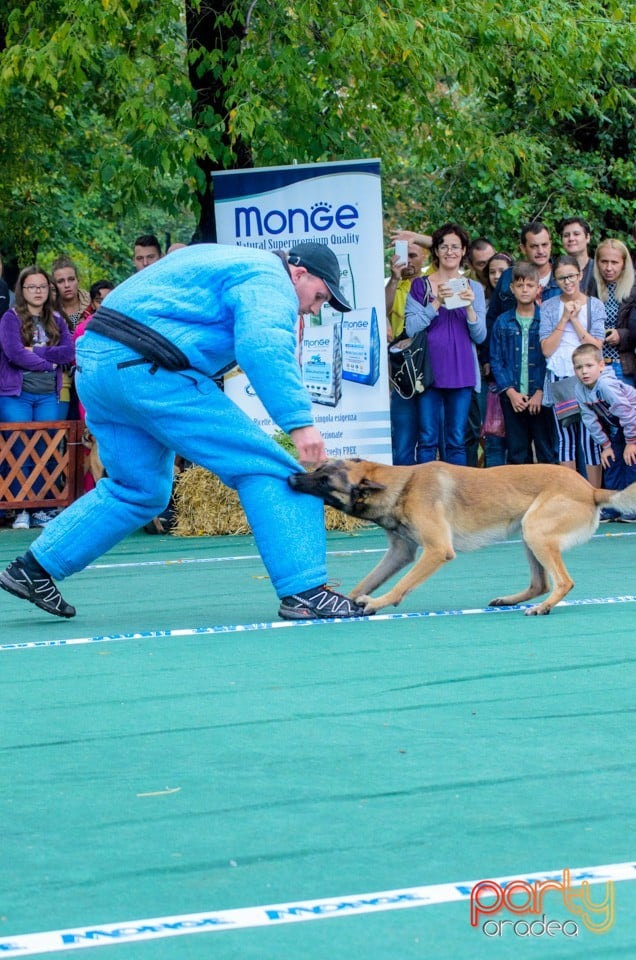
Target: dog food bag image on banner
x=346, y=278
x=361, y=346
x=321, y=360
x=347, y=285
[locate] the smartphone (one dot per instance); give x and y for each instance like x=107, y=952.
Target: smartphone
x=402, y=250
x=457, y=285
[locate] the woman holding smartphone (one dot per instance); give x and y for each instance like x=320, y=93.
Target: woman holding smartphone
x=453, y=311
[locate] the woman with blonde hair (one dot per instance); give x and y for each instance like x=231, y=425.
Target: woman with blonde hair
x=614, y=273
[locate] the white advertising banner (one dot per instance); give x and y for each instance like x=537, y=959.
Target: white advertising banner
x=342, y=356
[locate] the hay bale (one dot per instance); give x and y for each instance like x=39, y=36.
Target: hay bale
x=205, y=507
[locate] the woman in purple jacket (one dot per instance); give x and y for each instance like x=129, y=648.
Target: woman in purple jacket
x=35, y=343
x=452, y=309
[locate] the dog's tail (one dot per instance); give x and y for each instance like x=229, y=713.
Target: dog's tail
x=622, y=500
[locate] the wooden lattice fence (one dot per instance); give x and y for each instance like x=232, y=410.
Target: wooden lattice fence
x=41, y=464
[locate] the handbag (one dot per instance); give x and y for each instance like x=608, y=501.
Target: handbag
x=410, y=369
x=566, y=408
x=493, y=425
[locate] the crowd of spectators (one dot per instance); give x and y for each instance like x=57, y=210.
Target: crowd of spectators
x=501, y=330
x=539, y=307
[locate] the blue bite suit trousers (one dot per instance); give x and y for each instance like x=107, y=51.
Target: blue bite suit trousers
x=141, y=419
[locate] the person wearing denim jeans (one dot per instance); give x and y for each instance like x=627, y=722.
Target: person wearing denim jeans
x=35, y=344
x=455, y=321
x=518, y=366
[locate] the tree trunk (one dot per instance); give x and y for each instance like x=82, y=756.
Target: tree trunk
x=208, y=32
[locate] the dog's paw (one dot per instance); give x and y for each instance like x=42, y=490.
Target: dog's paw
x=539, y=611
x=368, y=603
x=499, y=602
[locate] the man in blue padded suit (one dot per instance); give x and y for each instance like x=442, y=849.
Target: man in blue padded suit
x=145, y=373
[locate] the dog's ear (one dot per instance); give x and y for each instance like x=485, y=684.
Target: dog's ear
x=366, y=484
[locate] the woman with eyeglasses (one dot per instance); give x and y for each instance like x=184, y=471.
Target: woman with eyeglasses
x=452, y=309
x=567, y=321
x=614, y=274
x=35, y=343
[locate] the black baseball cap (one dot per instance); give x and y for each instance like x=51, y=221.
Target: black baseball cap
x=320, y=261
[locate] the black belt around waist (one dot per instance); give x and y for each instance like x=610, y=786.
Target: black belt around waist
x=152, y=346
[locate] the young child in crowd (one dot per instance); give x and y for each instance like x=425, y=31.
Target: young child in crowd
x=608, y=410
x=518, y=366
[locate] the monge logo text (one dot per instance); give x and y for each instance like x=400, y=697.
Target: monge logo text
x=250, y=221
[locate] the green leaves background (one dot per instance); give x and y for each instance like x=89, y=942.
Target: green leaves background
x=114, y=113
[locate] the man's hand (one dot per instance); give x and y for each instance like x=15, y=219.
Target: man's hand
x=310, y=445
x=421, y=239
x=397, y=266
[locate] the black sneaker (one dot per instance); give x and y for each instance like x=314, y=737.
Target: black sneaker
x=318, y=603
x=38, y=590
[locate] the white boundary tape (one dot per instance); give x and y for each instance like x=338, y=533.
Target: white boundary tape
x=294, y=624
x=130, y=931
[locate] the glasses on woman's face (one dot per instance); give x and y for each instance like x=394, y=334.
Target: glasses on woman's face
x=570, y=278
x=38, y=289
x=449, y=248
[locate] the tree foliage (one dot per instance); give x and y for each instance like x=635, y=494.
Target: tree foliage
x=481, y=112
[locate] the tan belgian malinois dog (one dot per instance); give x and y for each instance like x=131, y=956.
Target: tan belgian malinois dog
x=443, y=508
